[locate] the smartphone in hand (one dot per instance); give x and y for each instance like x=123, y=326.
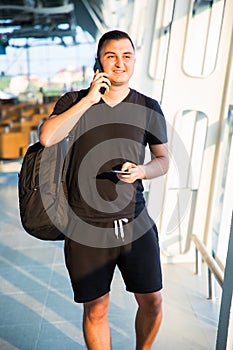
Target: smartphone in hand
x=121, y=172
x=99, y=66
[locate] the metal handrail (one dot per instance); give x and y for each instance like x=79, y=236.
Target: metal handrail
x=210, y=261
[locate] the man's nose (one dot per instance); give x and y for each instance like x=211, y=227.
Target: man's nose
x=119, y=61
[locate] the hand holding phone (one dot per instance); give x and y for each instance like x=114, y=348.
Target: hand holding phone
x=121, y=172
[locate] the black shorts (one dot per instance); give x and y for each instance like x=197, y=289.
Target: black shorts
x=91, y=269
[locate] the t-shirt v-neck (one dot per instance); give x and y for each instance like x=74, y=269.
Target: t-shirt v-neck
x=117, y=104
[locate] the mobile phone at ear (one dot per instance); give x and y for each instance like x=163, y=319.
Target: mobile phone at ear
x=99, y=66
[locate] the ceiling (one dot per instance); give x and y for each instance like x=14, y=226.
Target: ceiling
x=50, y=19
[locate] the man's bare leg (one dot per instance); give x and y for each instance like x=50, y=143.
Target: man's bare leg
x=95, y=324
x=148, y=319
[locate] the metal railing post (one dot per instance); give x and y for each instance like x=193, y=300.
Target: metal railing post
x=225, y=332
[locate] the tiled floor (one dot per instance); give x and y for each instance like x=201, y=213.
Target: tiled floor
x=36, y=307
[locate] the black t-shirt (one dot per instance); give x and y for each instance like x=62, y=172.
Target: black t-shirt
x=103, y=139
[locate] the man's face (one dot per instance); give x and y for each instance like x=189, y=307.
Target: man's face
x=118, y=59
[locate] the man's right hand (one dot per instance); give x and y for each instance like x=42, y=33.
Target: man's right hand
x=100, y=80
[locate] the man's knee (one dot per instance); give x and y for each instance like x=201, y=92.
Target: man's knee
x=97, y=309
x=150, y=302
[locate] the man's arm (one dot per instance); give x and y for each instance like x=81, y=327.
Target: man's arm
x=155, y=168
x=160, y=164
x=57, y=127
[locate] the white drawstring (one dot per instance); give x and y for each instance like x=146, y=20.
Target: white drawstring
x=120, y=222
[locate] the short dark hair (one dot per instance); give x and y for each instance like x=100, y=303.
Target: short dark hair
x=113, y=35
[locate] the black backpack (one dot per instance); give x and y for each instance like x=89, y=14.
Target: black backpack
x=42, y=191
x=42, y=188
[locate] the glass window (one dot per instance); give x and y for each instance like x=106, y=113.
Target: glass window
x=202, y=37
x=190, y=131
x=160, y=40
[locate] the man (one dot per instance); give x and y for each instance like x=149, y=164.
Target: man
x=110, y=226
